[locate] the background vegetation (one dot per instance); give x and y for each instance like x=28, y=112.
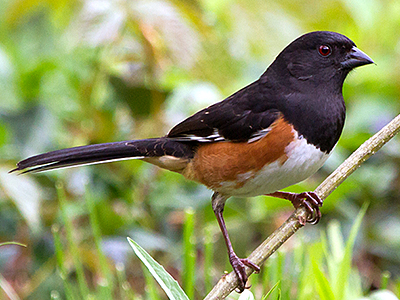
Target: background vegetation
x=92, y=71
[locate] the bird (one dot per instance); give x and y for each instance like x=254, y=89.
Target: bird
x=273, y=133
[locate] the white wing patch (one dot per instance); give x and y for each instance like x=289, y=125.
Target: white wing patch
x=216, y=137
x=258, y=135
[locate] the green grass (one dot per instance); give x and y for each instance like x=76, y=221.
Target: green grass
x=307, y=269
x=189, y=250
x=74, y=250
x=325, y=268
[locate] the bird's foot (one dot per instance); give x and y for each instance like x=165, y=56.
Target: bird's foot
x=311, y=201
x=238, y=265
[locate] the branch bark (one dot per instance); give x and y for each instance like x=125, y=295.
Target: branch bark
x=229, y=282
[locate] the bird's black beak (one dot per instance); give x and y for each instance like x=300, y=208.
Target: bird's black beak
x=356, y=58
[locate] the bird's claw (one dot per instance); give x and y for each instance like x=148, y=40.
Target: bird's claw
x=312, y=202
x=239, y=266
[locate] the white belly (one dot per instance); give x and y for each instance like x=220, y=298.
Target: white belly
x=303, y=161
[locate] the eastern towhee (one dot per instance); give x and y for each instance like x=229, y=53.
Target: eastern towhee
x=271, y=134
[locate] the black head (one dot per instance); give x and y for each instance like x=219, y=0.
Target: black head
x=320, y=56
x=307, y=77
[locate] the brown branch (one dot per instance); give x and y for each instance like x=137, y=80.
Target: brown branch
x=229, y=282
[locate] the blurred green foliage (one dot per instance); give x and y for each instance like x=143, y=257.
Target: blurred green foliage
x=92, y=71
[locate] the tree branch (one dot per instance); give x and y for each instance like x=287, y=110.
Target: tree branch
x=229, y=282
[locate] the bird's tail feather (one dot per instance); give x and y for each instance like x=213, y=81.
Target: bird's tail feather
x=102, y=153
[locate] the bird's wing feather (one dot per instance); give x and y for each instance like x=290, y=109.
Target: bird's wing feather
x=244, y=116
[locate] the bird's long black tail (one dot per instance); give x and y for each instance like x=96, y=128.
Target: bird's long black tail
x=101, y=153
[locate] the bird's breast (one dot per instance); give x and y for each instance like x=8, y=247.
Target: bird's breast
x=279, y=159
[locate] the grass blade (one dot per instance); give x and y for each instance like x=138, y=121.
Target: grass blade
x=107, y=279
x=322, y=284
x=12, y=243
x=271, y=291
x=208, y=259
x=342, y=278
x=62, y=270
x=80, y=273
x=385, y=279
x=189, y=254
x=164, y=279
x=151, y=288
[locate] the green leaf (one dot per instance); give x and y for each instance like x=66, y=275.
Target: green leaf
x=151, y=290
x=189, y=250
x=164, y=279
x=322, y=284
x=70, y=294
x=336, y=240
x=13, y=243
x=73, y=245
x=344, y=269
x=271, y=291
x=385, y=276
x=208, y=258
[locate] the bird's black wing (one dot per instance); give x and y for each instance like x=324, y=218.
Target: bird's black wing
x=244, y=116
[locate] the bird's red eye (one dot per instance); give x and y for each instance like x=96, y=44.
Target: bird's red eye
x=324, y=50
